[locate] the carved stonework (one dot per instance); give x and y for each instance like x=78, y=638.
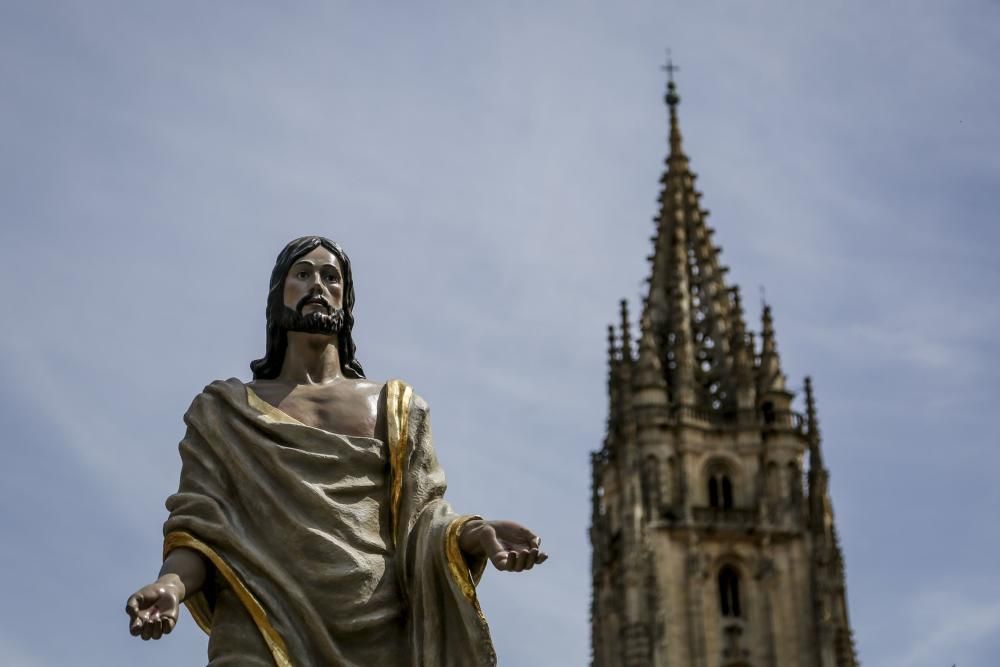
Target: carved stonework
x=743, y=562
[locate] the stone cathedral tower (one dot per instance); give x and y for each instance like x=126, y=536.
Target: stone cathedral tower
x=707, y=550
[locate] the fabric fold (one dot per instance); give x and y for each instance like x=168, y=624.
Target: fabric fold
x=340, y=550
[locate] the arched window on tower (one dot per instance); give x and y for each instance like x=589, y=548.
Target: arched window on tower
x=767, y=410
x=730, y=604
x=720, y=489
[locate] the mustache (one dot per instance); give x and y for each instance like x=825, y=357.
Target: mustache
x=312, y=298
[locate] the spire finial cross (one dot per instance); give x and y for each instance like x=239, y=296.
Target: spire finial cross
x=670, y=68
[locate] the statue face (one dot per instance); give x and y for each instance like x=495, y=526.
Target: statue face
x=315, y=284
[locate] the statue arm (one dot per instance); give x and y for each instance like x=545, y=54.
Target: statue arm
x=184, y=569
x=153, y=609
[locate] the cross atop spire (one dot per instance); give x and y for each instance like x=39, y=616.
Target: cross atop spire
x=672, y=97
x=670, y=68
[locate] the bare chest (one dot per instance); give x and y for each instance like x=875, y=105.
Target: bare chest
x=348, y=409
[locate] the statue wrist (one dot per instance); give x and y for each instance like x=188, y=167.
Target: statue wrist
x=173, y=583
x=468, y=537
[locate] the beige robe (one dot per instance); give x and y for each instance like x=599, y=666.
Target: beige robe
x=327, y=549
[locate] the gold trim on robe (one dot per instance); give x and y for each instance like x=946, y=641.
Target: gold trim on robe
x=397, y=399
x=268, y=412
x=467, y=578
x=198, y=605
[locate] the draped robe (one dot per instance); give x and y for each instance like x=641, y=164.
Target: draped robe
x=325, y=549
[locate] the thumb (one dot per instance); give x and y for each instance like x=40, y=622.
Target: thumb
x=492, y=546
x=136, y=602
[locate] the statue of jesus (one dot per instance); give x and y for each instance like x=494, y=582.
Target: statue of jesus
x=309, y=527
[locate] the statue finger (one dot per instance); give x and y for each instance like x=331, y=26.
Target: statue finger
x=531, y=558
x=135, y=627
x=157, y=630
x=536, y=542
x=499, y=560
x=143, y=616
x=542, y=557
x=132, y=606
x=169, y=622
x=511, y=561
x=523, y=558
x=515, y=557
x=147, y=630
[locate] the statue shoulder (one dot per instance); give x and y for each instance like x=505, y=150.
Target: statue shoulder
x=230, y=386
x=368, y=387
x=233, y=387
x=417, y=402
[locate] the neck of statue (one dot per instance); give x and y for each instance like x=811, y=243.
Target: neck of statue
x=310, y=359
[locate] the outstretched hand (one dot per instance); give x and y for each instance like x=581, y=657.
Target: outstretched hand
x=510, y=546
x=153, y=609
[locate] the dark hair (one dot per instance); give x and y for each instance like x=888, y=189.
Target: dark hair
x=269, y=366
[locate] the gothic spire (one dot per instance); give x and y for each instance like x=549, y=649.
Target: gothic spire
x=648, y=380
x=673, y=99
x=812, y=421
x=689, y=387
x=741, y=344
x=614, y=393
x=770, y=377
x=612, y=348
x=626, y=349
x=692, y=315
x=820, y=511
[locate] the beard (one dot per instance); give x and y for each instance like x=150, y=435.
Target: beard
x=329, y=324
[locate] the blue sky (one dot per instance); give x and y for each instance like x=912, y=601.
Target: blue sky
x=492, y=170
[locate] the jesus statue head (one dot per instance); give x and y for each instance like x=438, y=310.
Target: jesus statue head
x=303, y=297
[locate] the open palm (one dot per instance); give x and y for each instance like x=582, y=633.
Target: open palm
x=510, y=546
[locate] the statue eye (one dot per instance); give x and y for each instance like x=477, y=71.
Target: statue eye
x=331, y=277
x=302, y=275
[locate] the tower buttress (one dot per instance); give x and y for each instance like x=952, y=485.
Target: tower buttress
x=834, y=639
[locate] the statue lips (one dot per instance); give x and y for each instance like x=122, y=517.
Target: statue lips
x=315, y=300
